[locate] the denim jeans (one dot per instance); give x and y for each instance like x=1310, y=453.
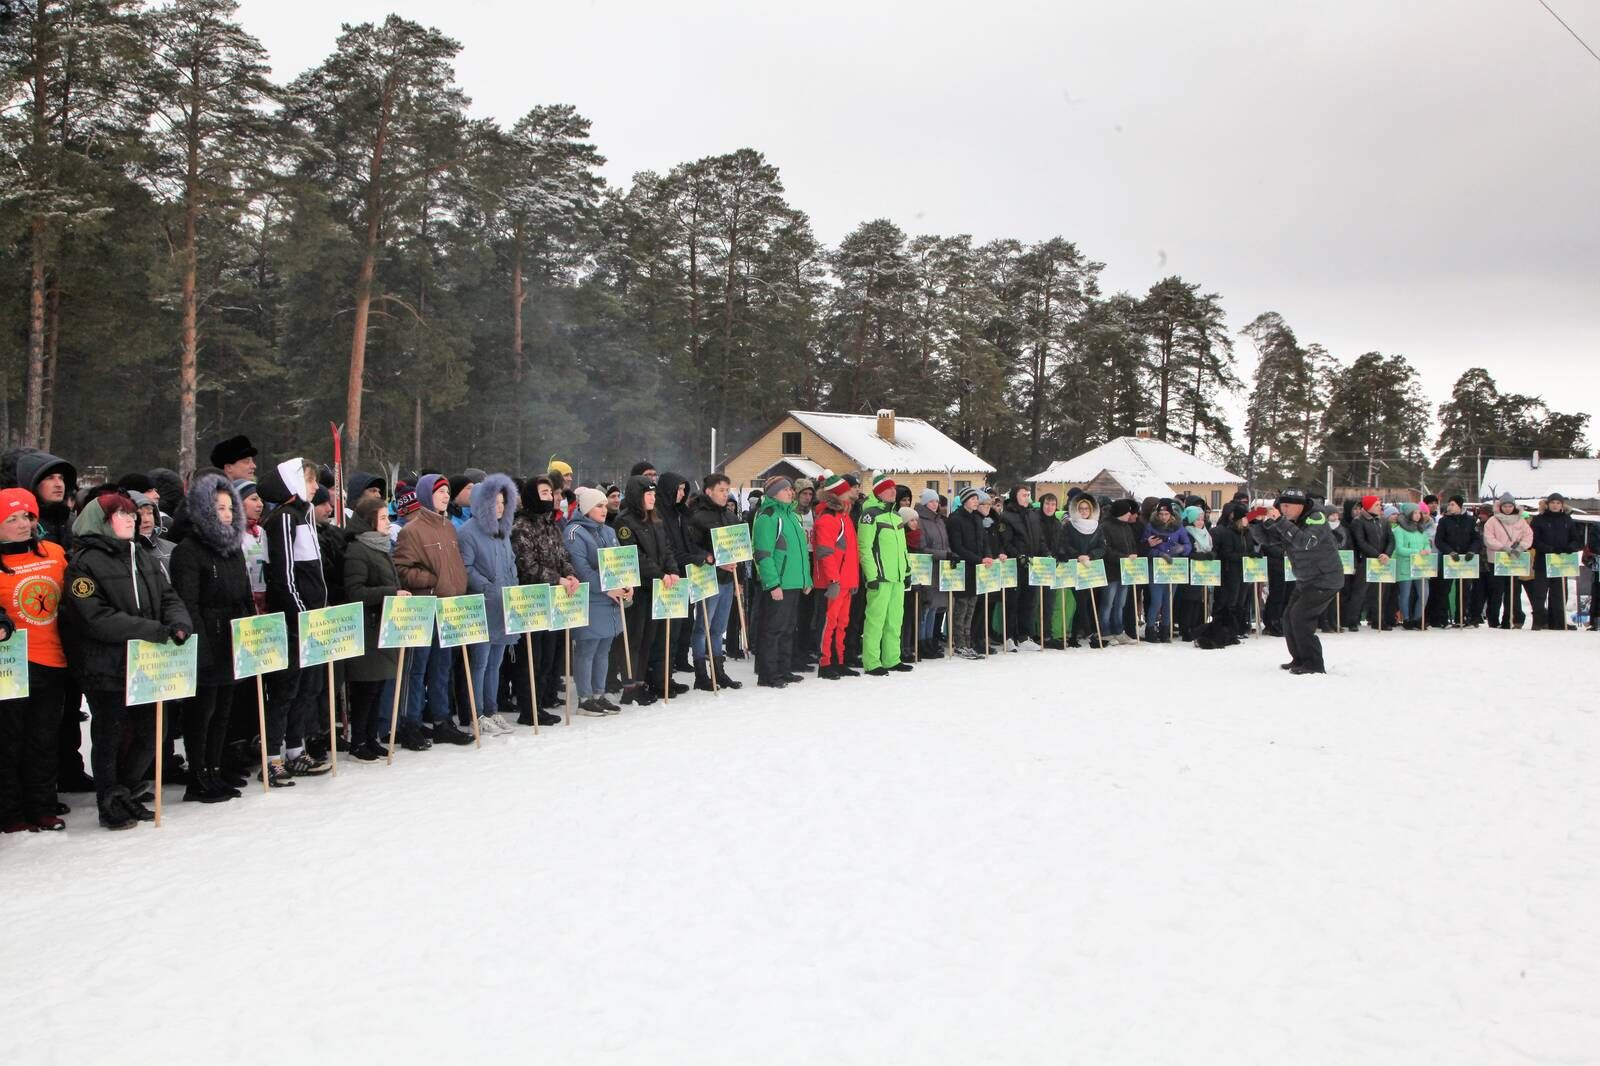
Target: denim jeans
x=1410, y=599
x=484, y=660
x=1113, y=602
x=718, y=607
x=428, y=681
x=1160, y=603
x=590, y=657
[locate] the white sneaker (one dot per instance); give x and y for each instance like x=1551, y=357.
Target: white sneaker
x=1123, y=639
x=1029, y=644
x=1010, y=645
x=492, y=725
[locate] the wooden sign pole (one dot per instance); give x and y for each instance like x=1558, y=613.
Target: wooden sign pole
x=472, y=699
x=261, y=724
x=950, y=627
x=711, y=663
x=1094, y=608
x=394, y=712
x=333, y=720
x=533, y=684
x=744, y=626
x=666, y=665
x=161, y=745
x=627, y=653
x=568, y=633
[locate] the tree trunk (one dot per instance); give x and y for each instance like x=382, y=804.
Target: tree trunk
x=33, y=414
x=187, y=375
x=52, y=360
x=369, y=264
x=517, y=297
x=416, y=433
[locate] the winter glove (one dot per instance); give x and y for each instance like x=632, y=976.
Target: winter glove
x=875, y=584
x=833, y=591
x=908, y=581
x=178, y=634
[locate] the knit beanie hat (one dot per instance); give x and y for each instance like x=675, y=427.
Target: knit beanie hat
x=928, y=496
x=558, y=467
x=1369, y=503
x=1506, y=497
x=1124, y=507
x=1390, y=510
x=589, y=499
x=836, y=486
x=246, y=489
x=909, y=515
x=777, y=483
x=1191, y=515
x=1408, y=509
x=884, y=483
x=406, y=503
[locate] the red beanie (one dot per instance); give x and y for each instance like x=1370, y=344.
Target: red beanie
x=882, y=485
x=1369, y=503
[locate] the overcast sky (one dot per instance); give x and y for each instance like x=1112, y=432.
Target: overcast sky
x=1418, y=177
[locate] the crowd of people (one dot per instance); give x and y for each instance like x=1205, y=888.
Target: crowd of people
x=829, y=594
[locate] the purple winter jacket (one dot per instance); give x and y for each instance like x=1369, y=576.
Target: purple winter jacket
x=1174, y=541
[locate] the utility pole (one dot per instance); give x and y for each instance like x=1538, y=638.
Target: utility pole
x=1328, y=495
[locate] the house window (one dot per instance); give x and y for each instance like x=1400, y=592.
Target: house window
x=1216, y=498
x=960, y=485
x=791, y=443
x=934, y=485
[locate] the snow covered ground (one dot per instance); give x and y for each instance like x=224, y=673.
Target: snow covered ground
x=1143, y=855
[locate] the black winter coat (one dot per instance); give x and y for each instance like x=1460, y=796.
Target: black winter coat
x=115, y=593
x=704, y=516
x=1553, y=534
x=1458, y=535
x=1312, y=547
x=369, y=578
x=215, y=589
x=967, y=544
x=1122, y=542
x=1230, y=547
x=656, y=558
x=1074, y=544
x=1371, y=535
x=1026, y=532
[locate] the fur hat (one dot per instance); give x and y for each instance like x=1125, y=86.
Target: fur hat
x=801, y=484
x=232, y=450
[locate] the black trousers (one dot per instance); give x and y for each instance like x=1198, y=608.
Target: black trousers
x=1277, y=594
x=124, y=740
x=1300, y=624
x=294, y=698
x=1355, y=596
x=1548, y=597
x=1505, y=601
x=1381, y=615
x=205, y=725
x=852, y=632
x=776, y=636
x=29, y=731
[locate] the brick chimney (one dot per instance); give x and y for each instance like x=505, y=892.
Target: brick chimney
x=886, y=424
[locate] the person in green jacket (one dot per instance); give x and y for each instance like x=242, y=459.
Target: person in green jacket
x=783, y=566
x=1410, y=537
x=881, y=536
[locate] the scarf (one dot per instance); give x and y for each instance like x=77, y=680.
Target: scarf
x=1086, y=526
x=1507, y=519
x=1201, y=537
x=378, y=542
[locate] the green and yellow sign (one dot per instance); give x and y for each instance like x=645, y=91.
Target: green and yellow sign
x=462, y=620
x=619, y=568
x=921, y=568
x=407, y=621
x=990, y=579
x=1066, y=574
x=260, y=644
x=1424, y=564
x=1042, y=572
x=1255, y=570
x=1008, y=573
x=332, y=633
x=1135, y=570
x=1562, y=565
x=526, y=608
x=669, y=602
x=14, y=667
x=1347, y=560
x=702, y=581
x=1381, y=572
x=1171, y=571
x=731, y=544
x=1205, y=572
x=1463, y=569
x=160, y=671
x=1090, y=575
x=952, y=577
x=1513, y=564
x=569, y=611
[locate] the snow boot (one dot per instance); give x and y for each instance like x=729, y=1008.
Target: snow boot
x=723, y=680
x=702, y=677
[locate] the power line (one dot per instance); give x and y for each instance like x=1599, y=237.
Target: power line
x=1570, y=30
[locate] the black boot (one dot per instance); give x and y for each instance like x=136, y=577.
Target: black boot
x=723, y=680
x=702, y=678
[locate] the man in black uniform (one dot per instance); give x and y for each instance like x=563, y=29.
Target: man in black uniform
x=1312, y=548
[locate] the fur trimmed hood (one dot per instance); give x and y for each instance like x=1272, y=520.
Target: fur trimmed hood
x=203, y=520
x=482, y=502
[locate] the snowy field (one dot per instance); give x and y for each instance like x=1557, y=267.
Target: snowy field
x=1136, y=856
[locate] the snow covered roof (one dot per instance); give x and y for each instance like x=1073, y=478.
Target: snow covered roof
x=917, y=447
x=805, y=467
x=1578, y=478
x=1141, y=465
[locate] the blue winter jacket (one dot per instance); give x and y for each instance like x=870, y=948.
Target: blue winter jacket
x=584, y=537
x=486, y=550
x=1174, y=542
